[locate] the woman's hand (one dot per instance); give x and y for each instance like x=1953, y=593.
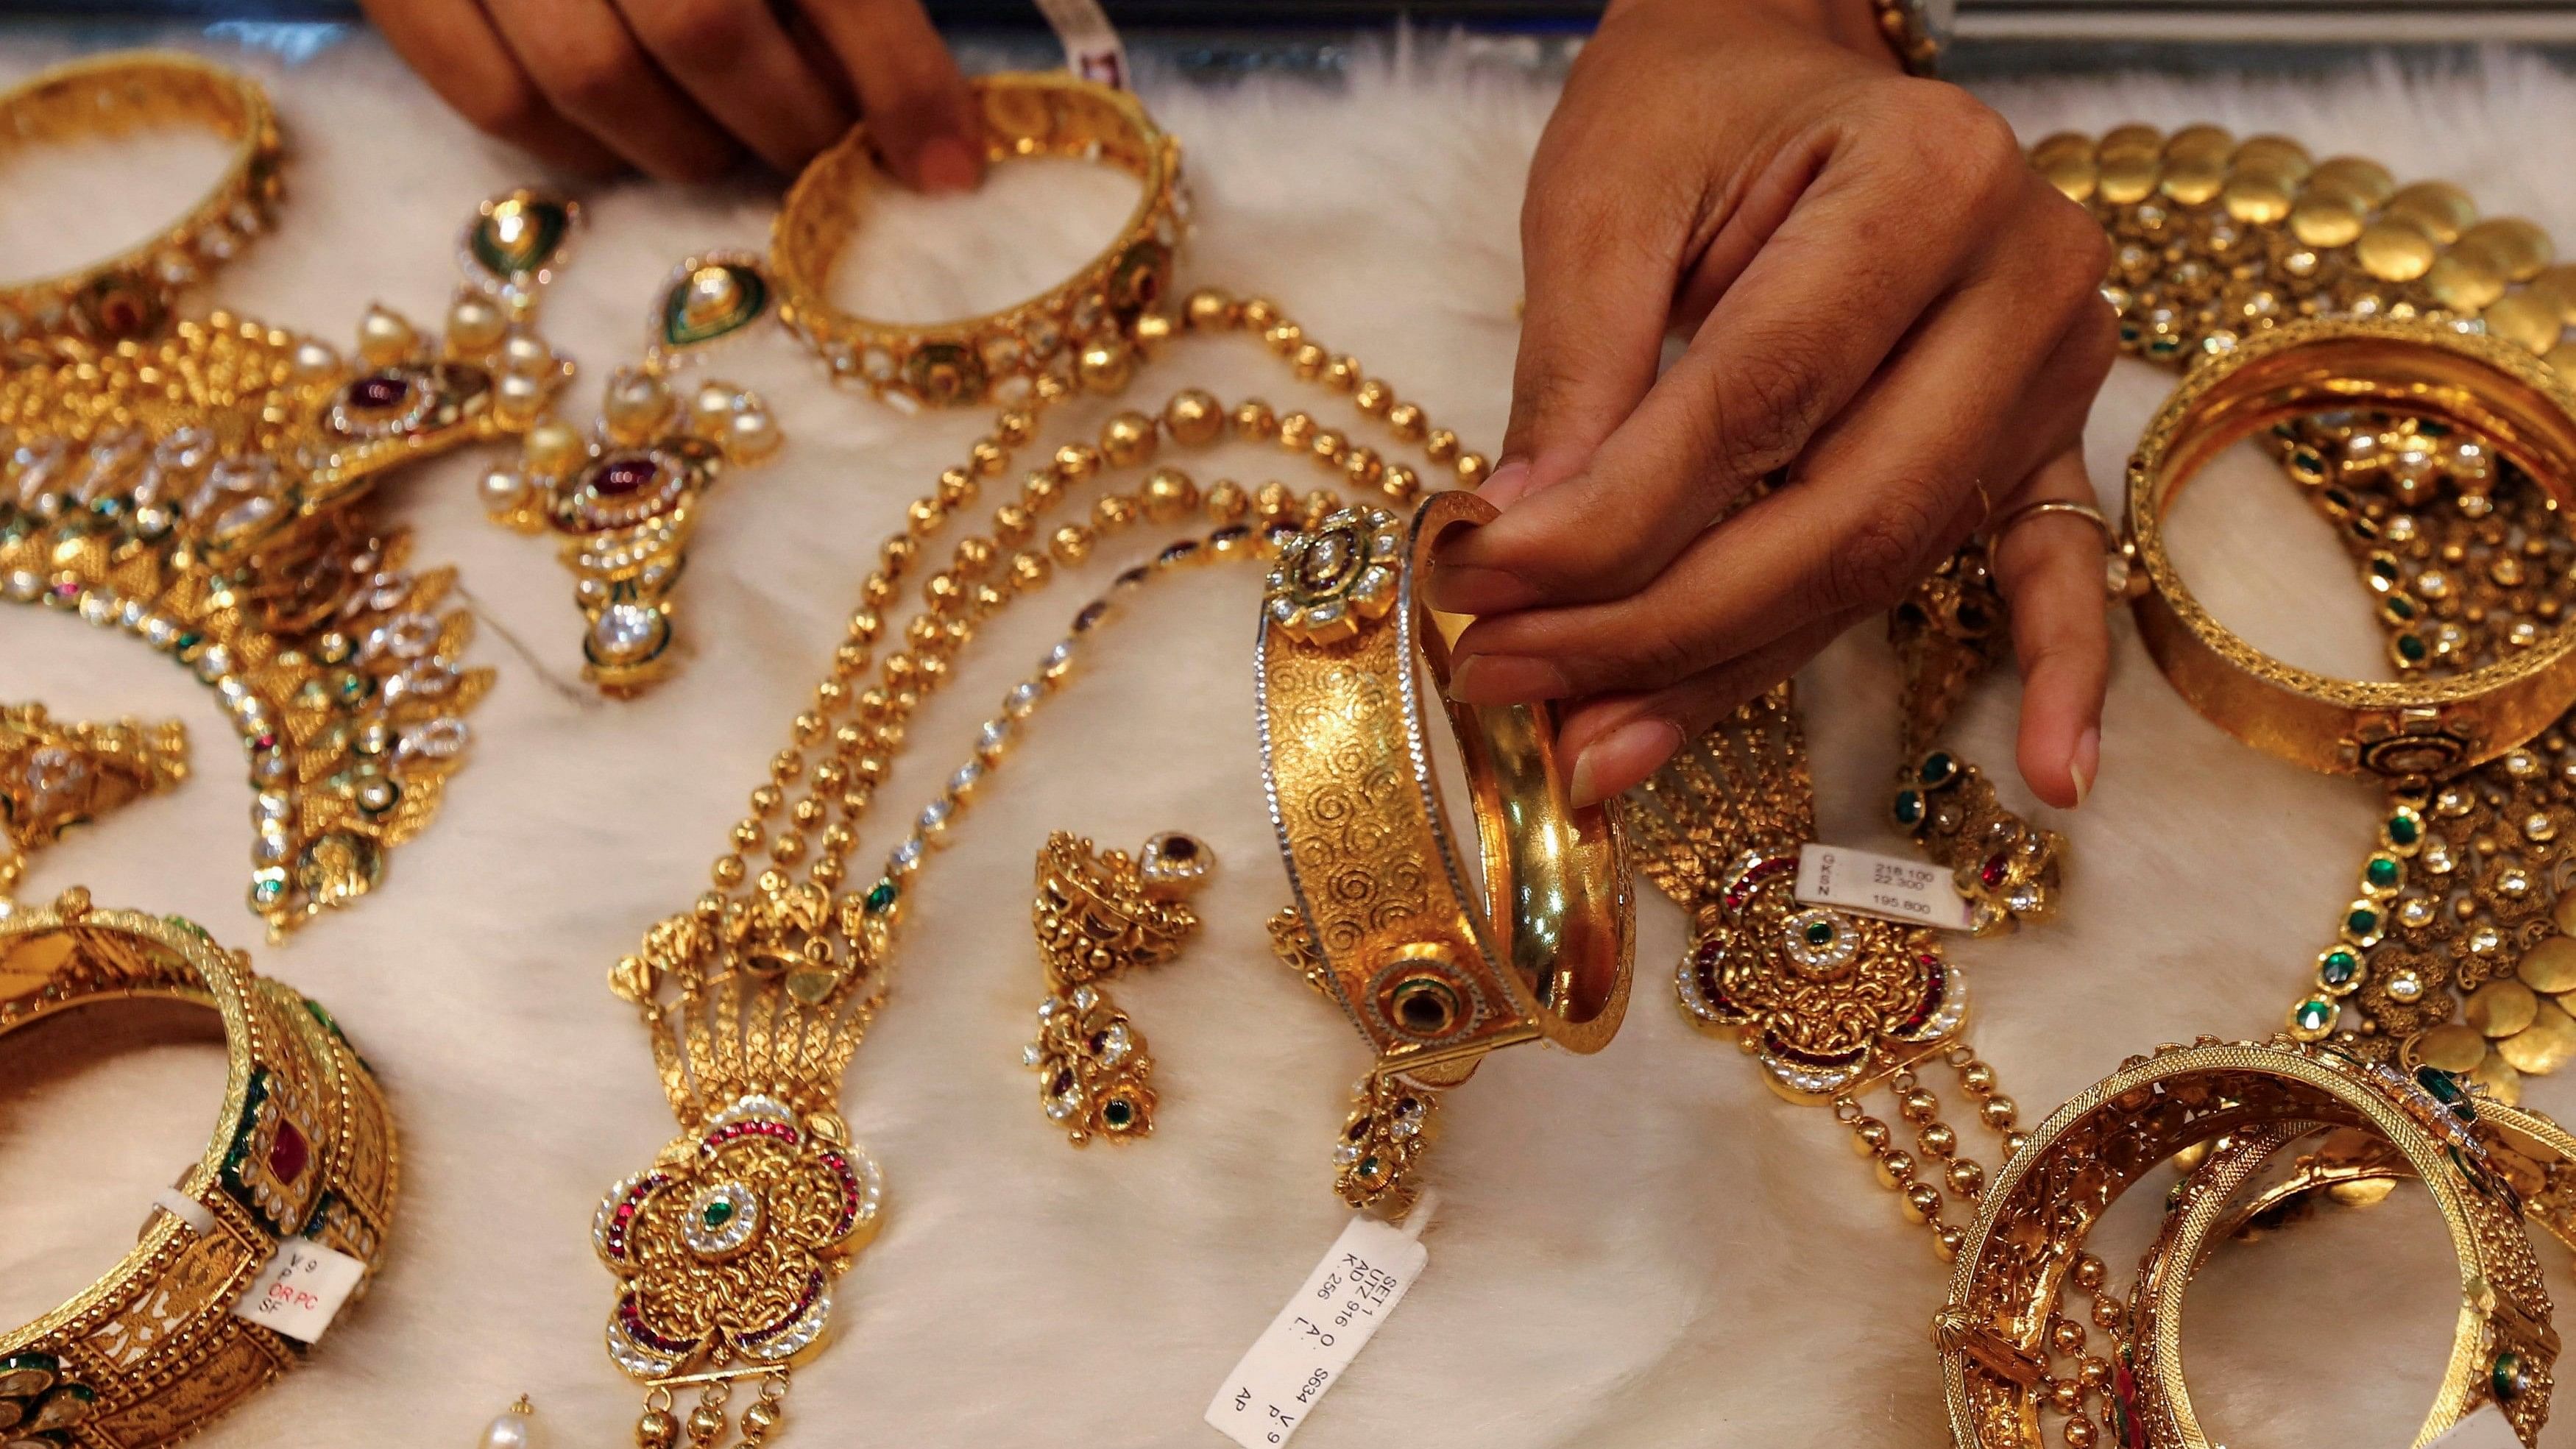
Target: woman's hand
x=1882, y=299
x=681, y=88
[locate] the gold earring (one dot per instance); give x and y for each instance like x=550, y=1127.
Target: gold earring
x=1098, y=913
x=54, y=776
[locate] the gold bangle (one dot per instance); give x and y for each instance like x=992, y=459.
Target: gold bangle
x=2410, y=729
x=1082, y=329
x=1432, y=974
x=2029, y=1234
x=130, y=294
x=153, y=1351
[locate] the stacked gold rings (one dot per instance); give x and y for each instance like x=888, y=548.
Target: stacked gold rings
x=2394, y=730
x=304, y=1148
x=1433, y=971
x=1081, y=330
x=2030, y=1233
x=129, y=294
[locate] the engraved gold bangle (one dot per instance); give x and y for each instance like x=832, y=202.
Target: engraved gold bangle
x=304, y=1147
x=1433, y=971
x=130, y=294
x=2411, y=729
x=1081, y=330
x=1993, y=1333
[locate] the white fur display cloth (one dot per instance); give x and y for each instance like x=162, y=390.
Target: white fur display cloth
x=1640, y=1249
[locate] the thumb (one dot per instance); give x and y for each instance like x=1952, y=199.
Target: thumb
x=920, y=115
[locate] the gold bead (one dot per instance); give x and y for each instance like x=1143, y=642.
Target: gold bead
x=1965, y=1177
x=728, y=871
x=865, y=626
x=1918, y=1106
x=808, y=812
x=1374, y=397
x=1329, y=447
x=747, y=833
x=988, y=457
x=1998, y=1112
x=1977, y=1077
x=1259, y=313
x=1947, y=1241
x=1309, y=360
x=1030, y=571
x=924, y=632
x=1441, y=445
x=1401, y=483
x=1113, y=511
x=957, y=488
x=1015, y=427
x=1937, y=1139
x=2066, y=1336
x=1275, y=503
x=941, y=592
x=1297, y=432
x=2067, y=1395
x=1319, y=503
x=1227, y=502
x=878, y=591
x=1254, y=422
x=1407, y=421
x=1127, y=440
x=1070, y=544
x=656, y=1430
x=1170, y=495
x=1040, y=491
x=1895, y=1168
x=1869, y=1135
x=1194, y=417
x=807, y=727
x=1473, y=469
x=1076, y=463
x=763, y=1415
x=1151, y=331
x=1362, y=466
x=898, y=554
x=1209, y=309
x=2079, y=1433
x=975, y=554
x=705, y=1421
x=2093, y=1372
x=2015, y=1141
x=1922, y=1203
x=2089, y=1272
x=1284, y=338
x=1105, y=367
x=1013, y=525
x=766, y=799
x=2107, y=1311
x=1342, y=374
x=924, y=517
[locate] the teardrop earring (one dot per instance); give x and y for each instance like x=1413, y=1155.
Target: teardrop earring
x=1099, y=913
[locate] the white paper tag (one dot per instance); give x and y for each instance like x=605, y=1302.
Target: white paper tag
x=1297, y=1358
x=1890, y=887
x=2487, y=1428
x=1092, y=49
x=301, y=1289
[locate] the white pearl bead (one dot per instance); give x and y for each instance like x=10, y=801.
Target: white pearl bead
x=553, y=448
x=636, y=406
x=474, y=324
x=385, y=336
x=712, y=408
x=510, y=1431
x=503, y=490
x=752, y=436
x=316, y=360
x=526, y=353
x=518, y=395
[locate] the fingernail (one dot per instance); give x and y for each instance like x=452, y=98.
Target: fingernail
x=2086, y=763
x=1511, y=479
x=1623, y=757
x=948, y=165
x=1506, y=679
x=1473, y=589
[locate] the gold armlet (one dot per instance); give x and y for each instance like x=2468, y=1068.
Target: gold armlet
x=1433, y=971
x=2408, y=729
x=2029, y=1234
x=153, y=1351
x=1083, y=329
x=130, y=294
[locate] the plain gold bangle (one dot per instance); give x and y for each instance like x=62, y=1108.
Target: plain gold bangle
x=1432, y=971
x=1082, y=330
x=130, y=294
x=2399, y=730
x=304, y=1147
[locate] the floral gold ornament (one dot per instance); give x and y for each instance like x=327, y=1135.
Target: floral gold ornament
x=1084, y=332
x=132, y=294
x=1997, y=1334
x=624, y=496
x=1433, y=972
x=1098, y=914
x=153, y=1352
x=54, y=776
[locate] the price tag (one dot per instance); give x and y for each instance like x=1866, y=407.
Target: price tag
x=1092, y=49
x=2487, y=1428
x=301, y=1289
x=1297, y=1358
x=1889, y=887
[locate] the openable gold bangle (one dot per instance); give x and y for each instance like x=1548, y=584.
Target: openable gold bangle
x=130, y=294
x=2038, y=1209
x=1433, y=970
x=2405, y=730
x=303, y=1147
x=1081, y=329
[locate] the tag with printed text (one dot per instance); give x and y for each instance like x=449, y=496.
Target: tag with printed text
x=301, y=1289
x=1890, y=887
x=1316, y=1336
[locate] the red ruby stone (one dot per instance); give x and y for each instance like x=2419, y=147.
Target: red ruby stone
x=620, y=476
x=379, y=390
x=288, y=1153
x=1993, y=872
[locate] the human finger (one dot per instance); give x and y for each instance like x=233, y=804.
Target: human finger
x=591, y=68
x=454, y=48
x=920, y=115
x=736, y=61
x=2049, y=566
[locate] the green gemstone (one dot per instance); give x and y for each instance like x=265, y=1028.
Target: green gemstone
x=1820, y=933
x=880, y=898
x=521, y=235
x=2315, y=1014
x=2404, y=828
x=2361, y=922
x=711, y=301
x=1909, y=807
x=1119, y=1113
x=2410, y=647
x=2380, y=568
x=186, y=642
x=2382, y=872
x=268, y=890
x=1369, y=1166
x=2307, y=461
x=717, y=1213
x=2400, y=607
x=2338, y=968
x=2510, y=1378
x=1937, y=767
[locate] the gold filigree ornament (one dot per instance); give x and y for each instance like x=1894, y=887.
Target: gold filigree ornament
x=55, y=776
x=624, y=495
x=1098, y=914
x=203, y=492
x=304, y=1148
